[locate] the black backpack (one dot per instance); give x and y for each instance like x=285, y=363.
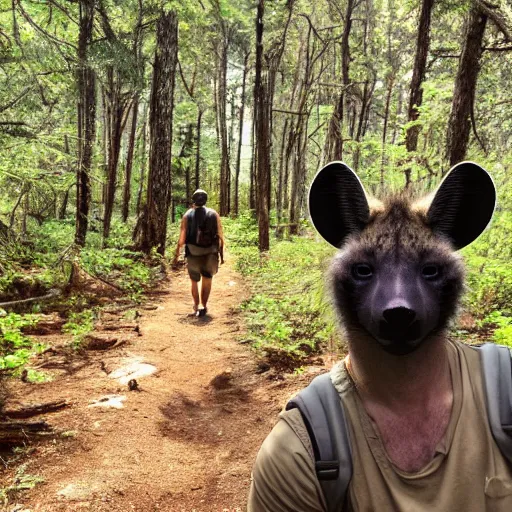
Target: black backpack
x=202, y=229
x=322, y=411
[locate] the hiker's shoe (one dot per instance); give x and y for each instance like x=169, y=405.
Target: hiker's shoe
x=202, y=312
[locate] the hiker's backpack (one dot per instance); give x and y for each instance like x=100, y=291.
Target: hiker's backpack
x=324, y=417
x=202, y=229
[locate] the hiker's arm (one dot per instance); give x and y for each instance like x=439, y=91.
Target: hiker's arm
x=220, y=234
x=283, y=477
x=181, y=241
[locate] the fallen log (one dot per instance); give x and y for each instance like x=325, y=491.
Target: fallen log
x=27, y=411
x=16, y=432
x=99, y=342
x=50, y=295
x=117, y=327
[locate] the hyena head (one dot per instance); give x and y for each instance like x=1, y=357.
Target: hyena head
x=397, y=276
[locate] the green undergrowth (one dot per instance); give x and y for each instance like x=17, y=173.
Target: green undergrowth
x=489, y=280
x=42, y=261
x=15, y=347
x=287, y=317
x=22, y=481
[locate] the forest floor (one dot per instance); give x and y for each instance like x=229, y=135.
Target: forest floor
x=184, y=441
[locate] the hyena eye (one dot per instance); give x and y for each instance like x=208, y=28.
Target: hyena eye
x=362, y=271
x=431, y=271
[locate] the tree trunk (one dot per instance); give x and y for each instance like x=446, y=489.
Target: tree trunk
x=240, y=134
x=418, y=76
x=86, y=81
x=280, y=179
x=129, y=161
x=262, y=131
x=263, y=99
x=223, y=129
x=198, y=147
x=61, y=214
x=459, y=124
x=334, y=143
x=142, y=160
x=152, y=229
x=299, y=175
x=391, y=83
x=115, y=114
x=186, y=151
x=252, y=170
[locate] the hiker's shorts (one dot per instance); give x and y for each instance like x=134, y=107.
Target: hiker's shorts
x=205, y=265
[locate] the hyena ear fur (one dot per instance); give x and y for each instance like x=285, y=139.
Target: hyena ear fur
x=463, y=204
x=337, y=203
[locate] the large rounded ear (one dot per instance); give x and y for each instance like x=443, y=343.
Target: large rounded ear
x=463, y=204
x=337, y=203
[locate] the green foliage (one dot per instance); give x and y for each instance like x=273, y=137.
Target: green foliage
x=501, y=326
x=15, y=347
x=22, y=481
x=489, y=271
x=287, y=315
x=242, y=232
x=79, y=324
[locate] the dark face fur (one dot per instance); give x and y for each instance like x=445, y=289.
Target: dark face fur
x=396, y=280
x=397, y=277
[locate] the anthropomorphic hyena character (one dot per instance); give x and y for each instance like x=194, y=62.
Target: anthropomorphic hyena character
x=414, y=405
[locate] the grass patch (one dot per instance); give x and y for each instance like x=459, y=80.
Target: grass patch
x=287, y=316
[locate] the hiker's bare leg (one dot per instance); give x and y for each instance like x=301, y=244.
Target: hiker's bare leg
x=206, y=287
x=195, y=294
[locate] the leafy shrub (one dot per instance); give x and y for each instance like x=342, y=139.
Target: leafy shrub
x=15, y=347
x=287, y=316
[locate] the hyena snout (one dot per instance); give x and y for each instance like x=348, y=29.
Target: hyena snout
x=399, y=324
x=399, y=317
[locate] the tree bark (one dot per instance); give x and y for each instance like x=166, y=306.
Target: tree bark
x=334, y=142
x=198, y=146
x=115, y=114
x=240, y=135
x=86, y=81
x=391, y=84
x=151, y=231
x=418, y=76
x=263, y=99
x=223, y=129
x=252, y=170
x=142, y=160
x=459, y=125
x=129, y=161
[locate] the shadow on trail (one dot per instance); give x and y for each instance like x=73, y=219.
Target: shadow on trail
x=191, y=319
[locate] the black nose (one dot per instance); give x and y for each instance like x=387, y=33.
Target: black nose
x=399, y=317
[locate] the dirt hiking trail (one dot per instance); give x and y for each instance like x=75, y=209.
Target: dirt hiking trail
x=185, y=440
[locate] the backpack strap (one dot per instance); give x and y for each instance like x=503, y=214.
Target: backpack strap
x=324, y=417
x=497, y=374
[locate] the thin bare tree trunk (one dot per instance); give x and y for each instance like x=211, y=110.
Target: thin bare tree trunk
x=223, y=130
x=334, y=143
x=129, y=161
x=198, y=146
x=391, y=83
x=263, y=99
x=142, y=160
x=420, y=65
x=240, y=134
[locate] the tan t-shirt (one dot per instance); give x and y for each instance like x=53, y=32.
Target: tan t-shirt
x=467, y=474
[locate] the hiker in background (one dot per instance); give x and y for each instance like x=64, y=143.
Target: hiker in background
x=201, y=234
